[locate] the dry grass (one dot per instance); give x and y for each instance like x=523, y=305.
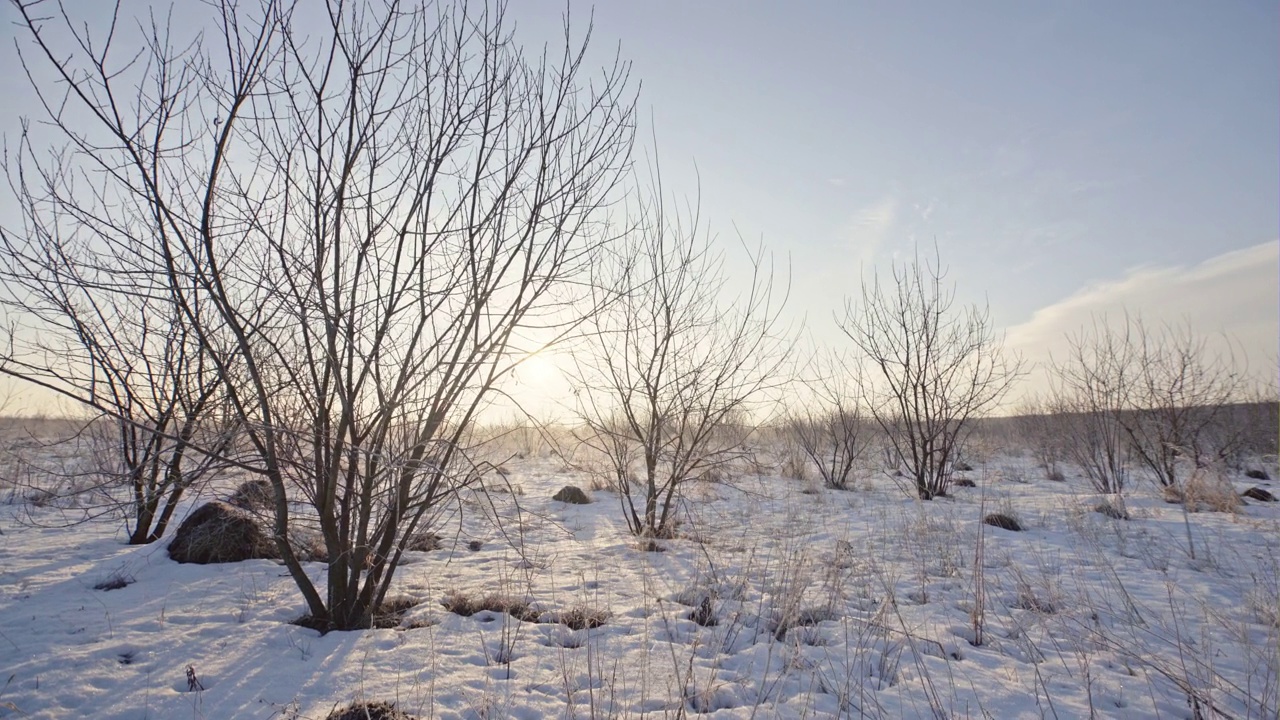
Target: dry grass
x=218, y=533
x=368, y=711
x=466, y=605
x=1205, y=491
x=578, y=617
x=1003, y=521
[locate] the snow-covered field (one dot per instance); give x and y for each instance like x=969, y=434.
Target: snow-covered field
x=813, y=603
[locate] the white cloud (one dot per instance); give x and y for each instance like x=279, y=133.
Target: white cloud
x=1234, y=295
x=869, y=228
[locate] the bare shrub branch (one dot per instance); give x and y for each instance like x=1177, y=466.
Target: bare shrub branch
x=666, y=380
x=354, y=223
x=939, y=367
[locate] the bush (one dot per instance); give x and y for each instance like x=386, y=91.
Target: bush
x=368, y=711
x=1003, y=521
x=218, y=533
x=572, y=495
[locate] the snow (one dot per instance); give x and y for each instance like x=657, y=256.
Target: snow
x=826, y=603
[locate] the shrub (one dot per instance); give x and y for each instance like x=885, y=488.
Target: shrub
x=218, y=533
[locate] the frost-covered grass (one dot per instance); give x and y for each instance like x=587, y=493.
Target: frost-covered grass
x=779, y=600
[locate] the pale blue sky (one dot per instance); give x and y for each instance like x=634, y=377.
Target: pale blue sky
x=1068, y=158
x=1081, y=155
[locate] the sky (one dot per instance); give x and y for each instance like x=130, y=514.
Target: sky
x=1066, y=159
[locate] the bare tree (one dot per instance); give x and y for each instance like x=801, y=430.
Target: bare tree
x=940, y=367
x=829, y=424
x=1181, y=392
x=1156, y=395
x=1042, y=430
x=354, y=221
x=1090, y=391
x=1249, y=429
x=670, y=368
x=91, y=320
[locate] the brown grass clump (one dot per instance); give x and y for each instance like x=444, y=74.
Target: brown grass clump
x=782, y=623
x=369, y=711
x=390, y=614
x=1205, y=491
x=1112, y=509
x=423, y=542
x=308, y=545
x=704, y=614
x=467, y=605
x=582, y=618
x=256, y=496
x=117, y=580
x=219, y=533
x=574, y=618
x=1002, y=521
x=571, y=495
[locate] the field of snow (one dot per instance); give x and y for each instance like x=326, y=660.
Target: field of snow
x=780, y=599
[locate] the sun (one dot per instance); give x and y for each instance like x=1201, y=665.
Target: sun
x=538, y=370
